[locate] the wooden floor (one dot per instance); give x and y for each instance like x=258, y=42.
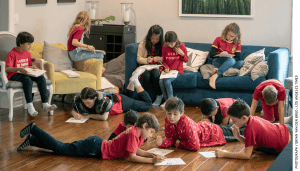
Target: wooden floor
x=32, y=158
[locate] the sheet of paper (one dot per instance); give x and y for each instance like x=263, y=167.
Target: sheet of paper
x=160, y=151
x=150, y=67
x=226, y=55
x=73, y=120
x=105, y=83
x=209, y=154
x=171, y=74
x=171, y=161
x=35, y=72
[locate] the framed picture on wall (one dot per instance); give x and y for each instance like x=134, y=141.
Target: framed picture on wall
x=63, y=1
x=36, y=2
x=216, y=8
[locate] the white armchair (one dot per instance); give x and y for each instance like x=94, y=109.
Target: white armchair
x=7, y=42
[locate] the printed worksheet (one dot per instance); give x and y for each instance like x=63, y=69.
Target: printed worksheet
x=208, y=154
x=150, y=67
x=224, y=55
x=73, y=120
x=171, y=161
x=160, y=151
x=171, y=74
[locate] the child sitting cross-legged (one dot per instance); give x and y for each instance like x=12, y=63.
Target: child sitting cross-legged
x=259, y=133
x=124, y=145
x=191, y=135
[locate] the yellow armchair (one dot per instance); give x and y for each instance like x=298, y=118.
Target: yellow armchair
x=90, y=72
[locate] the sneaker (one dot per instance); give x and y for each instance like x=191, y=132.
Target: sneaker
x=26, y=130
x=25, y=143
x=158, y=100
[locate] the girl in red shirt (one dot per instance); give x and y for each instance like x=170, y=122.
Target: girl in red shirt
x=174, y=53
x=81, y=25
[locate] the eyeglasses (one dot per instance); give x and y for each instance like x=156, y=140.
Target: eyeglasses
x=231, y=36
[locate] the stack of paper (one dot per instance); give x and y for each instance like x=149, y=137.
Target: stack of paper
x=70, y=73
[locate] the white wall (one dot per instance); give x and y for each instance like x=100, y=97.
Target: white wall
x=4, y=15
x=271, y=25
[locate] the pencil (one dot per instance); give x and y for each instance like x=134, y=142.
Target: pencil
x=162, y=65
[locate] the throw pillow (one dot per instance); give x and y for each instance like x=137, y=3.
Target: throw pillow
x=261, y=69
x=196, y=59
x=251, y=60
x=57, y=56
x=231, y=72
x=206, y=71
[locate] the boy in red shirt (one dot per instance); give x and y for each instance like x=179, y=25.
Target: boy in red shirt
x=124, y=145
x=130, y=119
x=271, y=93
x=18, y=59
x=191, y=135
x=215, y=110
x=268, y=137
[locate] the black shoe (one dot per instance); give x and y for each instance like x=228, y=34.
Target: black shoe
x=26, y=130
x=25, y=143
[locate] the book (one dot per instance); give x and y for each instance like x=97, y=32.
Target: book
x=171, y=161
x=96, y=51
x=224, y=55
x=34, y=72
x=160, y=151
x=150, y=67
x=70, y=73
x=106, y=84
x=171, y=74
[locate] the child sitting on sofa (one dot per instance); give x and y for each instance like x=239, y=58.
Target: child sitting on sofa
x=191, y=135
x=18, y=59
x=174, y=53
x=215, y=110
x=123, y=146
x=268, y=137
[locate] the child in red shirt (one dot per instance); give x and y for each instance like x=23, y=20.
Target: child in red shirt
x=272, y=95
x=215, y=110
x=18, y=59
x=81, y=25
x=174, y=53
x=259, y=133
x=124, y=145
x=130, y=119
x=191, y=135
x=229, y=43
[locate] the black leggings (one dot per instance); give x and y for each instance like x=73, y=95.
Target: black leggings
x=27, y=86
x=149, y=78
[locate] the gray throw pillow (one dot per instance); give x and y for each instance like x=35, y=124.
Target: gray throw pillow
x=231, y=72
x=57, y=56
x=206, y=70
x=252, y=60
x=261, y=69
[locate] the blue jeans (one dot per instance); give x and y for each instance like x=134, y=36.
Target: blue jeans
x=80, y=55
x=225, y=63
x=228, y=135
x=166, y=87
x=142, y=105
x=90, y=147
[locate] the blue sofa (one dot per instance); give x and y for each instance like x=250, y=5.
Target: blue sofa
x=192, y=88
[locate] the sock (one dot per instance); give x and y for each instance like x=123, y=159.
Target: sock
x=157, y=100
x=136, y=74
x=26, y=130
x=25, y=143
x=47, y=107
x=163, y=105
x=288, y=120
x=31, y=109
x=136, y=83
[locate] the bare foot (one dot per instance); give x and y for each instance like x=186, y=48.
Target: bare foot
x=215, y=70
x=212, y=81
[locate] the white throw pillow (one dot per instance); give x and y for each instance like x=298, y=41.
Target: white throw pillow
x=196, y=59
x=261, y=69
x=251, y=60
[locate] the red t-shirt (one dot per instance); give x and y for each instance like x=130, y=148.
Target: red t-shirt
x=229, y=46
x=16, y=58
x=260, y=132
x=117, y=106
x=75, y=34
x=121, y=127
x=192, y=135
x=281, y=96
x=121, y=145
x=173, y=60
x=225, y=103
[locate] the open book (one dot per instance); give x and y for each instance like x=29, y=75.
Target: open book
x=224, y=55
x=150, y=67
x=70, y=73
x=96, y=51
x=35, y=72
x=171, y=74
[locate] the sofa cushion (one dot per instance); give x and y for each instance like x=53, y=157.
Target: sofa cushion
x=261, y=69
x=238, y=83
x=196, y=59
x=36, y=49
x=186, y=80
x=251, y=60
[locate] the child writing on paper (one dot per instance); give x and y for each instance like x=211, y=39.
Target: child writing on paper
x=229, y=42
x=191, y=135
x=85, y=103
x=123, y=146
x=17, y=60
x=150, y=53
x=215, y=110
x=259, y=133
x=81, y=25
x=174, y=54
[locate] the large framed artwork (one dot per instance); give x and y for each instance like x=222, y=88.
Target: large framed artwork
x=216, y=8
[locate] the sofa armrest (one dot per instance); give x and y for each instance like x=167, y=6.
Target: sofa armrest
x=93, y=66
x=3, y=74
x=49, y=67
x=130, y=60
x=278, y=63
